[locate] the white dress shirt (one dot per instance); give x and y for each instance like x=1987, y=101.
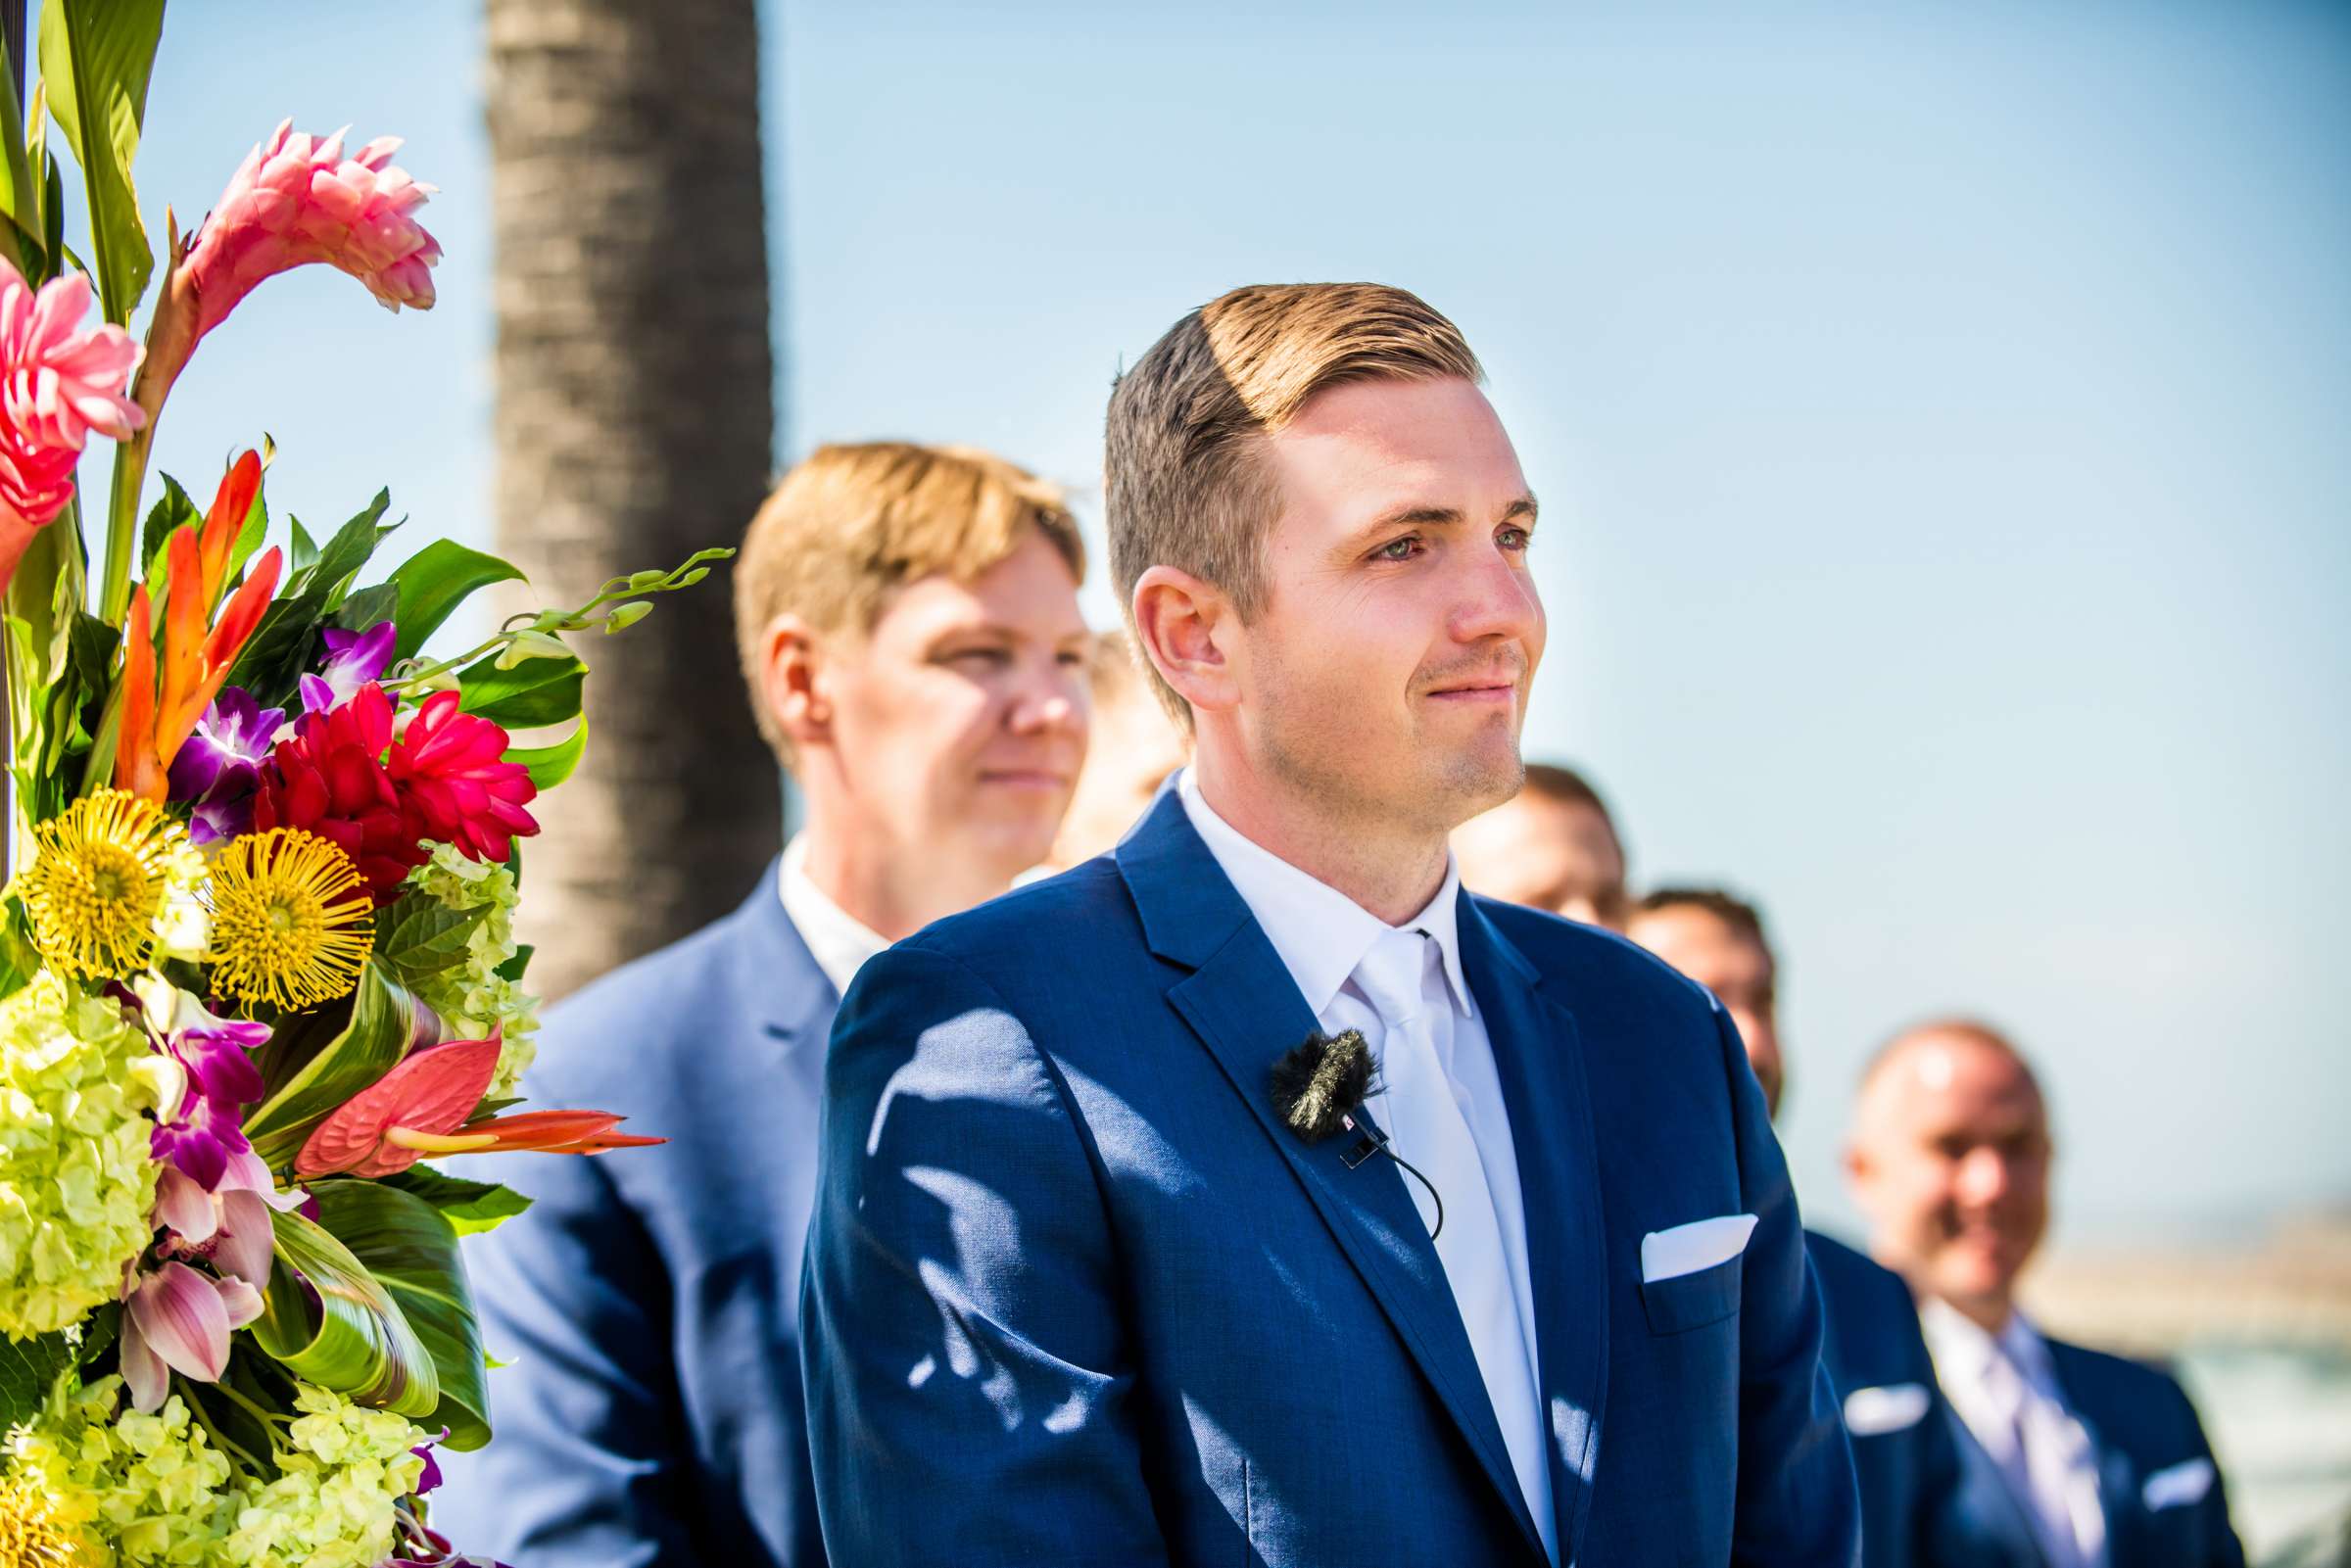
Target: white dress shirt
x=838, y=940
x=1325, y=939
x=2005, y=1389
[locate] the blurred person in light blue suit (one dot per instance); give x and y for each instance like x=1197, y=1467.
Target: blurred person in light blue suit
x=2071, y=1459
x=910, y=636
x=1904, y=1452
x=1116, y=1258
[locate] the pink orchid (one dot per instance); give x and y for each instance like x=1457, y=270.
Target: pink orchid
x=59, y=381
x=230, y=1226
x=177, y=1319
x=296, y=199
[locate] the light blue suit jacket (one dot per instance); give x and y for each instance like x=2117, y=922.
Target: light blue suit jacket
x=649, y=1301
x=1076, y=1295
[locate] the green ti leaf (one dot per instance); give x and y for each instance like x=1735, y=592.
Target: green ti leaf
x=411, y=1249
x=356, y=1340
x=434, y=581
x=311, y=1066
x=95, y=60
x=549, y=765
x=535, y=692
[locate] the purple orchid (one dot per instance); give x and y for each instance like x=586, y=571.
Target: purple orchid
x=219, y=768
x=352, y=659
x=207, y=1130
x=177, y=1319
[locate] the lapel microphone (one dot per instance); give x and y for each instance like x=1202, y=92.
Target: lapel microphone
x=1318, y=1088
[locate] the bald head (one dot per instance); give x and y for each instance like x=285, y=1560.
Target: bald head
x=1949, y=1159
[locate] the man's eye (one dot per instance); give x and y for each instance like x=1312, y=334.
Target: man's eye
x=1517, y=539
x=984, y=658
x=1399, y=550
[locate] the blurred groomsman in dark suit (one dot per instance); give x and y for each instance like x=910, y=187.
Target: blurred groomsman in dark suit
x=1904, y=1455
x=908, y=623
x=1553, y=845
x=2071, y=1459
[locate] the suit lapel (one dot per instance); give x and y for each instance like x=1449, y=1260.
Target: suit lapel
x=1990, y=1504
x=776, y=972
x=1538, y=1057
x=1241, y=1002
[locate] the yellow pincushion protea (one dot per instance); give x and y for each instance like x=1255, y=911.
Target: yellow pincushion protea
x=291, y=920
x=112, y=879
x=30, y=1535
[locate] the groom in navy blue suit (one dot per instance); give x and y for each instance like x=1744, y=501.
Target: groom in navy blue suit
x=910, y=634
x=1117, y=1256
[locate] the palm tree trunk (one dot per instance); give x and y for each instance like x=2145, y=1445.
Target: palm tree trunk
x=635, y=423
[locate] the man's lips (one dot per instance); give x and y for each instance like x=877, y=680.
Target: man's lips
x=1478, y=692
x=1025, y=778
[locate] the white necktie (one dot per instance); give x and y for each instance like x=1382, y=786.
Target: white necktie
x=1428, y=1125
x=2050, y=1467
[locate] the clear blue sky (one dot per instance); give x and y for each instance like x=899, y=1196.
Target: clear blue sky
x=1938, y=413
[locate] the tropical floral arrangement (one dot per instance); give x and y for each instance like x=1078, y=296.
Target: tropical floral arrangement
x=257, y=954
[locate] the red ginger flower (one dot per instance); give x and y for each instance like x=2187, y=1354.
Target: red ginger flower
x=329, y=779
x=447, y=767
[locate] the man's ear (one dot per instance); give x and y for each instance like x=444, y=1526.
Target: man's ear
x=1186, y=628
x=794, y=684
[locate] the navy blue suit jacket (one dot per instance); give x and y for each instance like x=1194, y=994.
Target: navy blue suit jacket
x=1076, y=1295
x=2165, y=1503
x=1904, y=1454
x=649, y=1301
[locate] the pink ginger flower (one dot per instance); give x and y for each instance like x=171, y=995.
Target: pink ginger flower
x=59, y=381
x=296, y=199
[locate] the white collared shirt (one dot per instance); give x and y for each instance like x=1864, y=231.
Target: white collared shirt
x=837, y=939
x=2003, y=1386
x=1322, y=935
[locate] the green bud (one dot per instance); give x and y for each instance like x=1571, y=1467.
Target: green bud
x=639, y=581
x=531, y=644
x=694, y=576
x=624, y=616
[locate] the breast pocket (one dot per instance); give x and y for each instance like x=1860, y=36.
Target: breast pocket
x=1692, y=1301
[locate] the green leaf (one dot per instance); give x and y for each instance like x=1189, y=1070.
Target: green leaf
x=303, y=553
x=287, y=640
x=549, y=765
x=470, y=1206
x=95, y=58
x=419, y=937
x=367, y=606
x=310, y=1079
x=535, y=692
x=358, y=1339
x=172, y=510
x=27, y=1368
x=19, y=187
x=249, y=537
x=512, y=970
x=434, y=581
x=411, y=1249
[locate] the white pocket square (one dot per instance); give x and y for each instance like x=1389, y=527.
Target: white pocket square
x=1687, y=1249
x=1887, y=1408
x=2176, y=1486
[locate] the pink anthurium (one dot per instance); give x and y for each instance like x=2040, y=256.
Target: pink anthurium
x=431, y=1093
x=177, y=1319
x=420, y=1107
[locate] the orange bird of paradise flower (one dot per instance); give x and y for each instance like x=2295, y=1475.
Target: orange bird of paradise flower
x=197, y=654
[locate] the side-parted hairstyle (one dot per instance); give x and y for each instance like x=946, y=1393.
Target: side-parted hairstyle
x=1185, y=486
x=843, y=530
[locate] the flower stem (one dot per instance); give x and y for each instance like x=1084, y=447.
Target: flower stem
x=122, y=521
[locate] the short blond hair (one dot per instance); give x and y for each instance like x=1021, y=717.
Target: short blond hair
x=853, y=523
x=1185, y=488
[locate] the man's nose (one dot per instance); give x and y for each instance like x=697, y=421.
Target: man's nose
x=1494, y=596
x=1983, y=1176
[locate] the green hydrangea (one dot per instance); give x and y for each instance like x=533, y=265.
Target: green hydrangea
x=77, y=1179
x=146, y=1490
x=137, y=1489
x=473, y=998
x=342, y=1468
